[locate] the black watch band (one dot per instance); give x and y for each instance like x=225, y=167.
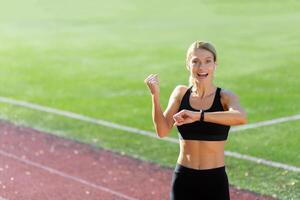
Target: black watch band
x=201, y=116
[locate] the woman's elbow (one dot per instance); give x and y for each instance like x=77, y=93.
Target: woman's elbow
x=161, y=133
x=243, y=119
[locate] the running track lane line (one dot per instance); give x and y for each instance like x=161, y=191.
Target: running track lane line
x=152, y=134
x=67, y=176
x=1, y=198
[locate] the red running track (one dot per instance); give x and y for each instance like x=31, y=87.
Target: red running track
x=41, y=166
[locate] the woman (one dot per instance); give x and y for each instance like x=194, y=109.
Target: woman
x=203, y=114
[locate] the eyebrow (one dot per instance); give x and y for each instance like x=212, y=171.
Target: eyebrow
x=204, y=58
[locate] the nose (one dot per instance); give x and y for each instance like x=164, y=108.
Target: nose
x=200, y=65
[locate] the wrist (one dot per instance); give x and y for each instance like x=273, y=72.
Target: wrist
x=155, y=97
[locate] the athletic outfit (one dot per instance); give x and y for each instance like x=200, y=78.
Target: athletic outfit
x=206, y=184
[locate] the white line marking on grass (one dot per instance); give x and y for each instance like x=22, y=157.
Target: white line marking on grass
x=153, y=135
x=80, y=117
x=67, y=176
x=262, y=161
x=266, y=123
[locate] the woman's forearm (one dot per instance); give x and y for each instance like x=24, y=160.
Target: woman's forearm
x=233, y=117
x=159, y=120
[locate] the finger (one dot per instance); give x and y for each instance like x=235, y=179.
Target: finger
x=151, y=83
x=146, y=79
x=152, y=80
x=149, y=77
x=179, y=119
x=180, y=113
x=153, y=76
x=178, y=123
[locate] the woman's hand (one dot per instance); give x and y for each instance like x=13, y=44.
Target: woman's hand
x=185, y=117
x=153, y=83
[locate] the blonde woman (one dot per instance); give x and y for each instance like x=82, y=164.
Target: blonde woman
x=203, y=114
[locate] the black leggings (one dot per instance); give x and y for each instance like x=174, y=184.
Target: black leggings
x=193, y=184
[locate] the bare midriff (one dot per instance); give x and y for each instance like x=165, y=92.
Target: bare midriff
x=198, y=154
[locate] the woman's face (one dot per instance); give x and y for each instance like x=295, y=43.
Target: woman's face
x=201, y=65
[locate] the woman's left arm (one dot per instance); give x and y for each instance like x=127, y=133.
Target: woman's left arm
x=234, y=114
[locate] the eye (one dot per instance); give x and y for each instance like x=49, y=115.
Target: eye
x=208, y=61
x=194, y=61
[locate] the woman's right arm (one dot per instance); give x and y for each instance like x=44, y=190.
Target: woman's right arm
x=163, y=121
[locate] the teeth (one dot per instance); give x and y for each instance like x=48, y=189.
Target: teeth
x=202, y=74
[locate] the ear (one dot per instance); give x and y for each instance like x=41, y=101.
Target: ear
x=216, y=65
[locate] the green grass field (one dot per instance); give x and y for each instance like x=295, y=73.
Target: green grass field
x=91, y=58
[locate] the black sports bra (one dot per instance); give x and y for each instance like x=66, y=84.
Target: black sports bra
x=203, y=130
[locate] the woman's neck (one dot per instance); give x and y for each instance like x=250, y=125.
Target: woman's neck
x=203, y=90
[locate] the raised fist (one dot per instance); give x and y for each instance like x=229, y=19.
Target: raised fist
x=153, y=83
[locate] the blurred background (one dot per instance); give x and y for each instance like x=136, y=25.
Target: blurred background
x=91, y=57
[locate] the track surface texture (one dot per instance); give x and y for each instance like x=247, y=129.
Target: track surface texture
x=36, y=165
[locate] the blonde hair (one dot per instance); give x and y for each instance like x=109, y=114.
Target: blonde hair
x=193, y=47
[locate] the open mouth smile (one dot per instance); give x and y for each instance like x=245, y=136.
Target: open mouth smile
x=202, y=75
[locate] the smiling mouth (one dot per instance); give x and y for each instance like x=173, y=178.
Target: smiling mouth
x=202, y=75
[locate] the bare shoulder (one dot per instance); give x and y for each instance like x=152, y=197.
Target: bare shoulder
x=181, y=88
x=179, y=91
x=228, y=95
x=228, y=98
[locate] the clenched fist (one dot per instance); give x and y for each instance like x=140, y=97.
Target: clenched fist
x=153, y=83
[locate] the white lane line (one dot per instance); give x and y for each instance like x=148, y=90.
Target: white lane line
x=266, y=123
x=153, y=135
x=1, y=198
x=263, y=161
x=67, y=176
x=79, y=117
